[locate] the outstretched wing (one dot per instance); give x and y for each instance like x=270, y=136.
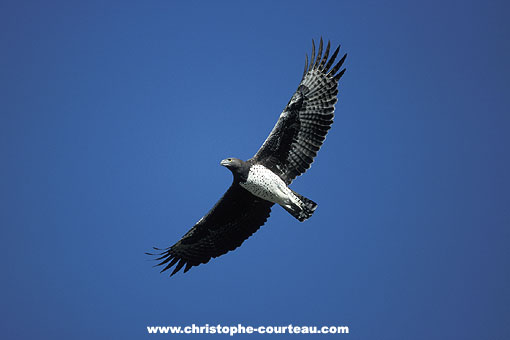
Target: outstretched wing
x=299, y=133
x=234, y=218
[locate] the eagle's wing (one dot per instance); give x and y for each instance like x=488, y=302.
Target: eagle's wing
x=299, y=133
x=234, y=218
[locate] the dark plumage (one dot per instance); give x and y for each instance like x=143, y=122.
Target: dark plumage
x=263, y=180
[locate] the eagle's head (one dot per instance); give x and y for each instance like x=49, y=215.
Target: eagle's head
x=232, y=163
x=238, y=167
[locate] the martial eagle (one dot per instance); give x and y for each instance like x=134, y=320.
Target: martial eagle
x=263, y=180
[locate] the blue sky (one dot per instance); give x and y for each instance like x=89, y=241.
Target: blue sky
x=115, y=116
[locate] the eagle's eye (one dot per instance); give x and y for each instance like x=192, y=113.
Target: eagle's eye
x=229, y=159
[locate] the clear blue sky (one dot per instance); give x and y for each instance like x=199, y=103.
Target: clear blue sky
x=115, y=115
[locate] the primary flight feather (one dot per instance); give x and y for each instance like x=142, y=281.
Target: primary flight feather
x=263, y=180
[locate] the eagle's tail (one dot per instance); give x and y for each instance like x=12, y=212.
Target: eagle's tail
x=301, y=211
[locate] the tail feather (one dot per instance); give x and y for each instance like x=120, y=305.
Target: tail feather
x=302, y=211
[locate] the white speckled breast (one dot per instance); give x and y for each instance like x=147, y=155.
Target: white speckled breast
x=263, y=183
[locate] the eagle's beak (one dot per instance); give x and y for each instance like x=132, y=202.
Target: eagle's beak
x=224, y=162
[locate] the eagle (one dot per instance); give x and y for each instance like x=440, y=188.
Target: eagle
x=264, y=179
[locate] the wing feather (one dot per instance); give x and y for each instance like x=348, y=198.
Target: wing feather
x=337, y=66
x=326, y=54
x=306, y=65
x=312, y=58
x=304, y=123
x=234, y=218
x=332, y=60
x=319, y=55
